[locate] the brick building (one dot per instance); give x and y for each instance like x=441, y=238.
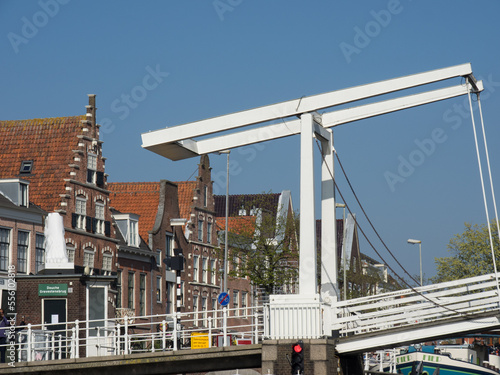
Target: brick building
x=154, y=207
x=61, y=161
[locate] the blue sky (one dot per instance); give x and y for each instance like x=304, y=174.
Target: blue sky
x=209, y=58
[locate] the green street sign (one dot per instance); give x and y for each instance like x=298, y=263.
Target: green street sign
x=52, y=290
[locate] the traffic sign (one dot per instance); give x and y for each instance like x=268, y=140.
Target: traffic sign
x=223, y=299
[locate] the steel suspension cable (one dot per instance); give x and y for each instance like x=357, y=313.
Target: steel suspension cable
x=482, y=187
x=374, y=249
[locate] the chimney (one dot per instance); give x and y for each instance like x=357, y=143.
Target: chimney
x=91, y=109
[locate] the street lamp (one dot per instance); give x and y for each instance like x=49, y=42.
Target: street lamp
x=227, y=152
x=342, y=205
x=414, y=242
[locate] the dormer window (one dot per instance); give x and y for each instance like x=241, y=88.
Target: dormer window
x=16, y=190
x=128, y=224
x=26, y=166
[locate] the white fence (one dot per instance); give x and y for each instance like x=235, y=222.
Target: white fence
x=130, y=334
x=433, y=303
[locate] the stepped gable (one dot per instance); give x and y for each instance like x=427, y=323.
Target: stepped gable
x=139, y=198
x=49, y=143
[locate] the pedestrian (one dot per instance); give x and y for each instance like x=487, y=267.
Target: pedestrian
x=3, y=335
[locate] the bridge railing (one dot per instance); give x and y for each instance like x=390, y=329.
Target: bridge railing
x=134, y=334
x=430, y=303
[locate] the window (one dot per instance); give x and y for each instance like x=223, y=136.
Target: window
x=4, y=248
x=70, y=250
x=209, y=232
x=88, y=258
x=205, y=196
x=118, y=288
x=142, y=294
x=107, y=261
x=195, y=310
x=204, y=270
x=99, y=217
x=23, y=191
x=204, y=311
x=214, y=303
x=244, y=302
x=133, y=239
x=158, y=289
x=26, y=166
x=196, y=267
x=130, y=286
x=236, y=301
x=158, y=257
x=81, y=212
x=91, y=168
x=22, y=251
x=39, y=252
x=212, y=271
x=200, y=230
x=169, y=244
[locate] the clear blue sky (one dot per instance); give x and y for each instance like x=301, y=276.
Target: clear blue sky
x=210, y=58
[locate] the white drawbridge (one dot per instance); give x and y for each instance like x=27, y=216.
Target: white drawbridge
x=252, y=126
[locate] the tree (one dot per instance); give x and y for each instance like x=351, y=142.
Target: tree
x=264, y=246
x=471, y=254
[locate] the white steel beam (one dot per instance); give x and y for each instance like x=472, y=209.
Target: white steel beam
x=307, y=256
x=190, y=148
x=329, y=267
x=417, y=333
x=298, y=106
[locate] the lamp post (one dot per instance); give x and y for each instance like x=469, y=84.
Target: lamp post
x=414, y=242
x=342, y=205
x=224, y=313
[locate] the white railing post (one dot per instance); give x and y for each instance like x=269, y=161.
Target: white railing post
x=174, y=333
x=209, y=331
x=118, y=339
x=224, y=325
x=256, y=331
x=98, y=341
x=60, y=346
x=126, y=338
x=164, y=334
x=77, y=339
x=53, y=344
x=29, y=348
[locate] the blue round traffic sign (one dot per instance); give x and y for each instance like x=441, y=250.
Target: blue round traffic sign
x=223, y=299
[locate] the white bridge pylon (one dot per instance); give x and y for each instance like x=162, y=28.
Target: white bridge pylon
x=252, y=126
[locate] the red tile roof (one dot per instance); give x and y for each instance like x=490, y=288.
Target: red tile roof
x=186, y=194
x=49, y=143
x=141, y=198
x=237, y=224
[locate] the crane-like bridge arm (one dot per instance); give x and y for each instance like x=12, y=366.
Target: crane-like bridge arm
x=189, y=148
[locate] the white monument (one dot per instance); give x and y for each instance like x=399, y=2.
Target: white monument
x=56, y=257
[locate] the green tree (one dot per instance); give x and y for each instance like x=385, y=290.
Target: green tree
x=470, y=254
x=264, y=247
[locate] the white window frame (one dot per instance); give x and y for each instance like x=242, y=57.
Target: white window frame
x=26, y=249
x=200, y=230
x=107, y=262
x=133, y=232
x=24, y=195
x=244, y=302
x=204, y=314
x=131, y=298
x=204, y=270
x=81, y=212
x=195, y=310
x=39, y=250
x=92, y=167
x=209, y=232
x=196, y=267
x=89, y=259
x=99, y=215
x=236, y=301
x=70, y=251
x=158, y=288
x=213, y=268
